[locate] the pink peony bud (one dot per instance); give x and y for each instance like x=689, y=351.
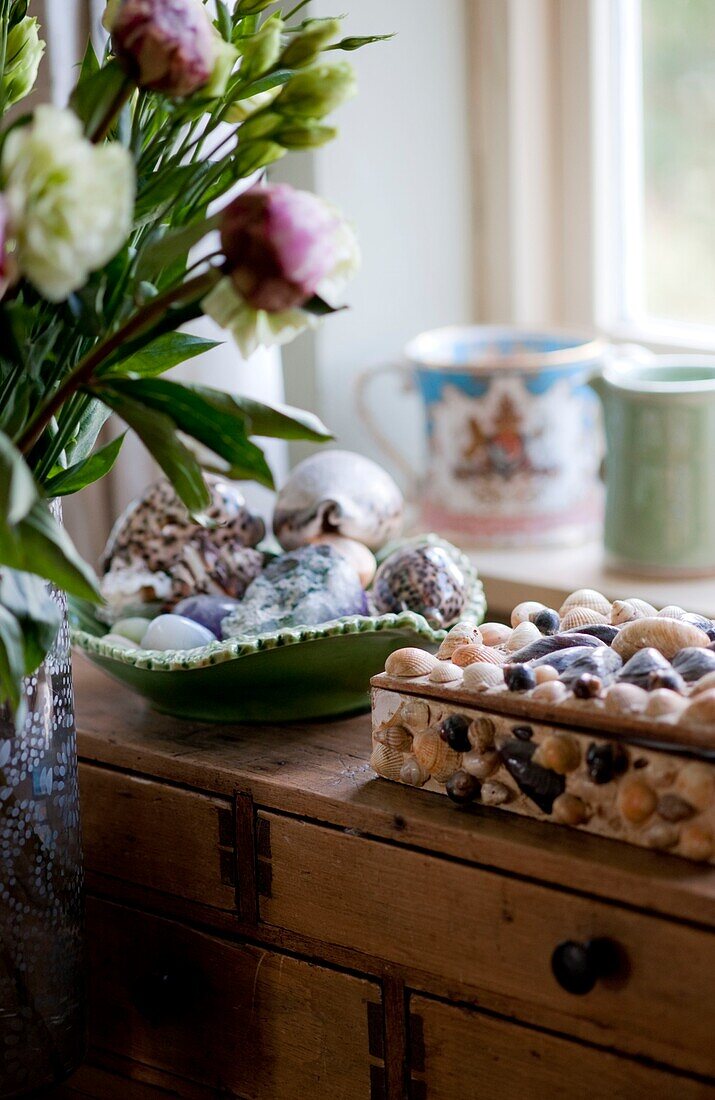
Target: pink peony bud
x=165, y=45
x=279, y=245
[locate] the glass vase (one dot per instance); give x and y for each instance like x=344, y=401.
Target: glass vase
x=42, y=993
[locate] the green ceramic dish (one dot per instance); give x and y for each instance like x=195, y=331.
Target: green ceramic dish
x=305, y=672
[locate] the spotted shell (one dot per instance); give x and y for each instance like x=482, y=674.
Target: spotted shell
x=524, y=610
x=461, y=634
x=338, y=492
x=665, y=635
x=386, y=761
x=586, y=597
x=664, y=703
x=624, y=611
x=482, y=676
x=581, y=616
x=409, y=662
x=423, y=578
x=495, y=633
x=672, y=611
x=435, y=755
x=522, y=635
x=444, y=672
x=625, y=699
x=699, y=714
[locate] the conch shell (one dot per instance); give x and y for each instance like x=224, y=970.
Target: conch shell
x=666, y=635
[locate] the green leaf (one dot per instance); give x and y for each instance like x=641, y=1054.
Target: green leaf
x=253, y=155
x=160, y=355
x=319, y=307
x=90, y=63
x=86, y=472
x=28, y=599
x=18, y=492
x=207, y=416
x=264, y=83
x=40, y=545
x=174, y=244
x=96, y=93
x=12, y=657
x=223, y=21
x=91, y=421
x=274, y=421
x=158, y=433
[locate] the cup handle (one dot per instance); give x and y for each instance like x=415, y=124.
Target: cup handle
x=363, y=383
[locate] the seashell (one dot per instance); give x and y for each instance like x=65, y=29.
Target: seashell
x=700, y=714
x=671, y=807
x=460, y=634
x=523, y=611
x=586, y=597
x=477, y=654
x=562, y=658
x=340, y=493
x=544, y=645
x=481, y=733
x=664, y=703
x=625, y=611
x=672, y=611
x=546, y=621
x=423, y=578
x=662, y=771
x=569, y=809
x=696, y=841
x=444, y=672
x=541, y=785
x=453, y=730
x=415, y=713
x=666, y=635
x=495, y=633
x=558, y=751
x=636, y=801
x=519, y=677
x=605, y=760
x=413, y=773
x=481, y=764
x=602, y=663
x=544, y=673
x=394, y=737
x=550, y=691
x=694, y=662
x=387, y=761
x=482, y=676
x=385, y=706
x=576, y=617
x=587, y=686
x=706, y=625
x=603, y=631
x=435, y=755
x=522, y=635
x=641, y=666
x=410, y=662
x=362, y=560
x=462, y=788
x=625, y=698
x=696, y=783
x=705, y=683
x=661, y=836
x=666, y=678
x=495, y=793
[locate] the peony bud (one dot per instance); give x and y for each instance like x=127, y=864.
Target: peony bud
x=278, y=244
x=305, y=46
x=24, y=52
x=165, y=45
x=318, y=90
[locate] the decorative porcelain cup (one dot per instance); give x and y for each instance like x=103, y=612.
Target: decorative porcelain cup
x=660, y=465
x=513, y=432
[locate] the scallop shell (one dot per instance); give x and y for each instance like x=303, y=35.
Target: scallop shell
x=664, y=703
x=550, y=691
x=338, y=492
x=522, y=611
x=362, y=560
x=672, y=611
x=482, y=676
x=394, y=737
x=625, y=611
x=495, y=633
x=522, y=635
x=477, y=654
x=410, y=662
x=460, y=634
x=387, y=761
x=624, y=698
x=581, y=616
x=700, y=715
x=444, y=672
x=666, y=635
x=413, y=773
x=586, y=597
x=435, y=755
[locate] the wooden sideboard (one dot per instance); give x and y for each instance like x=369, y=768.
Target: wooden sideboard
x=268, y=920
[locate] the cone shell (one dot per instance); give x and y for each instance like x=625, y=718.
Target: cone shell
x=672, y=611
x=495, y=633
x=435, y=755
x=665, y=635
x=483, y=675
x=444, y=672
x=664, y=703
x=624, y=611
x=460, y=634
x=581, y=616
x=394, y=737
x=410, y=662
x=522, y=635
x=586, y=597
x=386, y=761
x=413, y=773
x=550, y=691
x=625, y=699
x=522, y=611
x=700, y=714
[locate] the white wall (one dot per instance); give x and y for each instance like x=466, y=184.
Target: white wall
x=400, y=170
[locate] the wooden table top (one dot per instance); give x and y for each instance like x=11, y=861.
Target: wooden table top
x=321, y=770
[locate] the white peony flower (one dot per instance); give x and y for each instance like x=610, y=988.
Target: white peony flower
x=70, y=203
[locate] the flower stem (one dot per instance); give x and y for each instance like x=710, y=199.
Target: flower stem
x=104, y=125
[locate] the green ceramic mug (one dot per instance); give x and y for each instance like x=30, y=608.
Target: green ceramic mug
x=660, y=465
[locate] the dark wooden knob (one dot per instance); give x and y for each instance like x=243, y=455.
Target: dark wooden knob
x=578, y=966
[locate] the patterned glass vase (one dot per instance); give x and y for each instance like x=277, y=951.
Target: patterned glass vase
x=42, y=994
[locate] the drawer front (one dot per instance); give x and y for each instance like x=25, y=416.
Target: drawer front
x=479, y=931
x=238, y=1019
x=459, y=1053
x=153, y=835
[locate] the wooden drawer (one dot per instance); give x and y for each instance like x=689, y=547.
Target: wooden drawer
x=456, y=1052
x=175, y=841
x=238, y=1019
x=490, y=937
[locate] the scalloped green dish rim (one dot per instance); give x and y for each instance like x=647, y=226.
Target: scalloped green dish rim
x=219, y=652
